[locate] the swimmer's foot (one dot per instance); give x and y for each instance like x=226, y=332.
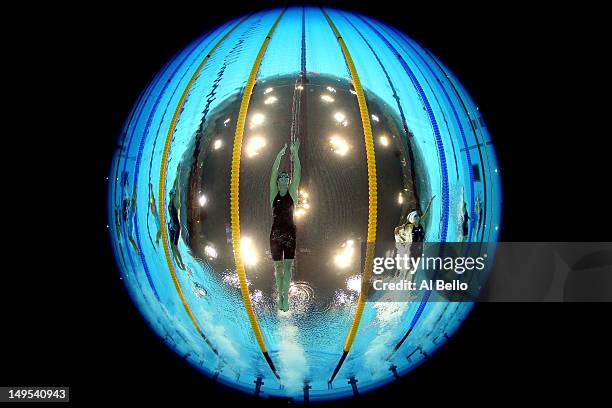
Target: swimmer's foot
x=179, y=264
x=280, y=303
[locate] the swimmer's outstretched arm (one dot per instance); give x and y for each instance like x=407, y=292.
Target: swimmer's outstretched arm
x=426, y=210
x=274, y=175
x=297, y=171
x=133, y=200
x=152, y=201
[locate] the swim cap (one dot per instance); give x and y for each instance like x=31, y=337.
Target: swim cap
x=412, y=217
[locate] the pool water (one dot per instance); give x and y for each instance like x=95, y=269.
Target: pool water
x=178, y=259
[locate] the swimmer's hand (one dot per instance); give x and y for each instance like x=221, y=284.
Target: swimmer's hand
x=295, y=146
x=282, y=151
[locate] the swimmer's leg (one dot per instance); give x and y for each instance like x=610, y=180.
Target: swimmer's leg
x=118, y=223
x=134, y=244
x=130, y=229
x=177, y=257
x=288, y=266
x=278, y=271
x=159, y=231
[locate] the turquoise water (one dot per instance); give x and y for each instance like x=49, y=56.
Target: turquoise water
x=410, y=87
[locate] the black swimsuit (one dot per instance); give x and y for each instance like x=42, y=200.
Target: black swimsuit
x=173, y=225
x=282, y=235
x=465, y=226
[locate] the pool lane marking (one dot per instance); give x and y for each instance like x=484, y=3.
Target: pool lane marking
x=461, y=131
x=399, y=107
x=372, y=197
x=162, y=184
x=303, y=53
x=141, y=146
x=234, y=195
x=482, y=163
x=434, y=125
x=425, y=298
x=445, y=193
x=127, y=143
x=151, y=197
x=445, y=205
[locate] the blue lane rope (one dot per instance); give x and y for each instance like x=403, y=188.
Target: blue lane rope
x=434, y=125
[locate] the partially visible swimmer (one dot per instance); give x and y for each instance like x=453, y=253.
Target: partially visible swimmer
x=464, y=218
x=283, y=197
x=174, y=224
x=478, y=211
x=118, y=222
x=153, y=208
x=413, y=229
x=410, y=235
x=128, y=210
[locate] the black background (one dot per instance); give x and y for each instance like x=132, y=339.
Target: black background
x=535, y=72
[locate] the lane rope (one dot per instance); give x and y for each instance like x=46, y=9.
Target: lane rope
x=372, y=197
x=234, y=195
x=162, y=184
x=445, y=200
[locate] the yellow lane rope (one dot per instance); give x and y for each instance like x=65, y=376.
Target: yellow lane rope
x=162, y=182
x=372, y=195
x=235, y=189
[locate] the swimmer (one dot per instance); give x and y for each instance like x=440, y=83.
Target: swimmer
x=128, y=211
x=464, y=217
x=412, y=230
x=478, y=210
x=118, y=223
x=174, y=225
x=283, y=198
x=153, y=208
